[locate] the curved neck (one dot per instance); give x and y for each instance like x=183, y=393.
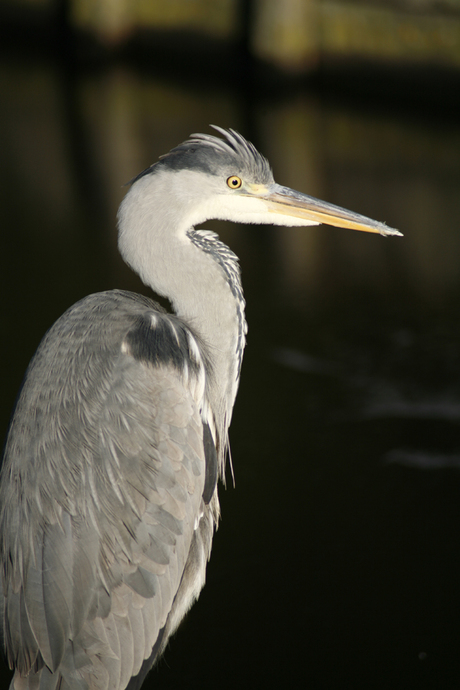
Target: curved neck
x=202, y=295
x=200, y=277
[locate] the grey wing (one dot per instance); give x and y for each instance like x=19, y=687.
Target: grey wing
x=97, y=536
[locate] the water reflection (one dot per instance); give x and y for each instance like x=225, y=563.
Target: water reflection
x=423, y=461
x=336, y=558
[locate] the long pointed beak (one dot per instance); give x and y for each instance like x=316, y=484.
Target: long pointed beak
x=287, y=202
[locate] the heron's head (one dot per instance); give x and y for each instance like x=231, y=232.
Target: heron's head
x=228, y=179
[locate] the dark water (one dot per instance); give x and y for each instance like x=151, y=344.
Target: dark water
x=336, y=563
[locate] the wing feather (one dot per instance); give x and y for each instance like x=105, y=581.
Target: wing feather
x=19, y=638
x=137, y=627
x=45, y=627
x=125, y=634
x=110, y=496
x=113, y=639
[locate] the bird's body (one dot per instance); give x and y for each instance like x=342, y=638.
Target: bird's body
x=109, y=483
x=105, y=538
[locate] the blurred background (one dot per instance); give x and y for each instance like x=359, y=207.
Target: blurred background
x=336, y=562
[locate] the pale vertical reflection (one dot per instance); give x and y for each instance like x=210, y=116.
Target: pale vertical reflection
x=407, y=176
x=384, y=168
x=291, y=136
x=286, y=32
x=110, y=19
x=109, y=104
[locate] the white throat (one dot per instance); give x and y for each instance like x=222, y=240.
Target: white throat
x=162, y=252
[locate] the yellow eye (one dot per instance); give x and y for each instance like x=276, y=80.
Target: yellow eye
x=234, y=182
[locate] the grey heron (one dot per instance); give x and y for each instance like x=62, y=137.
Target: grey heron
x=108, y=496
